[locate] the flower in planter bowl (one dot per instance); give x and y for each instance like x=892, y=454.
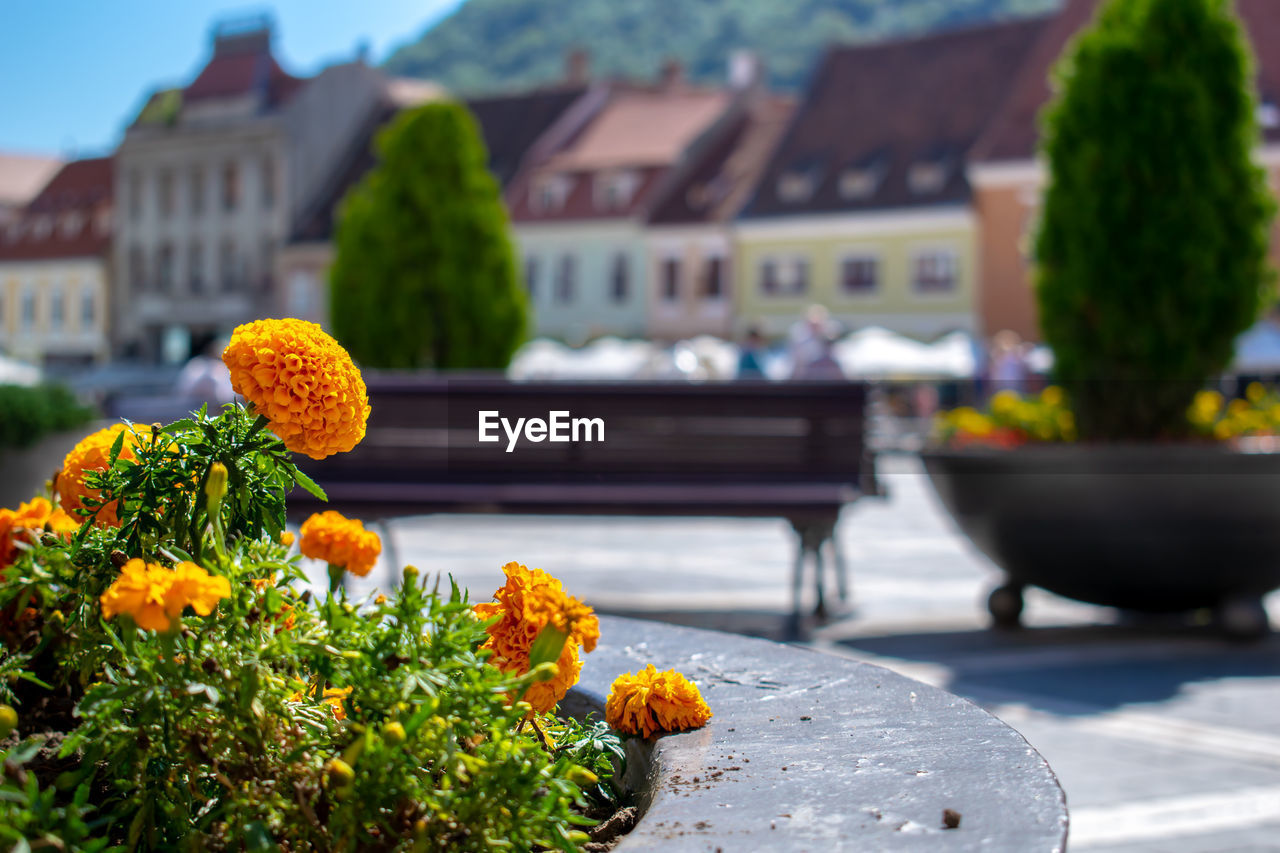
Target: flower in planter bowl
x=649, y=701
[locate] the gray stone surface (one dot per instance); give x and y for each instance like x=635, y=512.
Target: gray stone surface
x=808, y=752
x=1164, y=739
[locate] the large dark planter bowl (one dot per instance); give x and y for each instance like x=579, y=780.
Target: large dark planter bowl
x=1151, y=528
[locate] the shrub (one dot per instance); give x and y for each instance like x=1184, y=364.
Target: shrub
x=1151, y=254
x=425, y=274
x=29, y=414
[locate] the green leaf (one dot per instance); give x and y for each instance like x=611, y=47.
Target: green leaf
x=548, y=646
x=309, y=484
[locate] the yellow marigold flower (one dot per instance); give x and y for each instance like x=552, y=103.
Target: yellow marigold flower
x=154, y=595
x=650, y=701
x=1005, y=402
x=139, y=591
x=286, y=538
x=1052, y=395
x=303, y=381
x=340, y=541
x=192, y=586
x=1237, y=407
x=1255, y=392
x=93, y=453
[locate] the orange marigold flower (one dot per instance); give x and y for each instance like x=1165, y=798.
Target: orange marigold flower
x=303, y=381
x=93, y=453
x=154, y=595
x=286, y=538
x=529, y=601
x=333, y=697
x=28, y=520
x=340, y=541
x=650, y=701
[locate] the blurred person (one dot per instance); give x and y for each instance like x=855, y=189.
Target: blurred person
x=205, y=379
x=1007, y=363
x=809, y=336
x=823, y=366
x=751, y=355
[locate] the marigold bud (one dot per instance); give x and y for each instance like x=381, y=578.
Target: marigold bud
x=411, y=575
x=393, y=733
x=338, y=773
x=8, y=720
x=216, y=487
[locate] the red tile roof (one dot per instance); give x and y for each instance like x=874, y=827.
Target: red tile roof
x=876, y=113
x=64, y=220
x=1014, y=133
x=240, y=73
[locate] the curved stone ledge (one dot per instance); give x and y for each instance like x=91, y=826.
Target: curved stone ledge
x=808, y=751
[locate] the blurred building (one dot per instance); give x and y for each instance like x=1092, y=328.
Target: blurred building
x=865, y=206
x=1008, y=177
x=510, y=125
x=211, y=180
x=21, y=177
x=582, y=203
x=55, y=270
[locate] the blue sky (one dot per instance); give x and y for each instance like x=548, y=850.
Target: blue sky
x=72, y=72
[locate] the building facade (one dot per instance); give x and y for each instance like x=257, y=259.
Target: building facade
x=865, y=206
x=55, y=271
x=210, y=179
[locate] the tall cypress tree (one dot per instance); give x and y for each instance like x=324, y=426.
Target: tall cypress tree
x=1152, y=250
x=425, y=273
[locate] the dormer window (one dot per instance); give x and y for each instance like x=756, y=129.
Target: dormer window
x=1268, y=116
x=71, y=224
x=927, y=178
x=794, y=187
x=549, y=193
x=614, y=190
x=42, y=227
x=859, y=183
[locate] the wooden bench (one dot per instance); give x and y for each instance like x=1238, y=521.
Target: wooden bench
x=748, y=449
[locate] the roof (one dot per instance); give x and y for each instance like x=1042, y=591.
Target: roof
x=719, y=179
x=642, y=128
x=511, y=124
x=1014, y=132
x=239, y=74
x=63, y=220
x=22, y=176
x=875, y=113
x=316, y=223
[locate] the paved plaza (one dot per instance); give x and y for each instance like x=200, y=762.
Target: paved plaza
x=1165, y=738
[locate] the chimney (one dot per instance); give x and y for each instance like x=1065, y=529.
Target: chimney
x=577, y=67
x=746, y=71
x=672, y=74
x=362, y=51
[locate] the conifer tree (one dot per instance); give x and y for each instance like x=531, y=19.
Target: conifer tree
x=425, y=273
x=1152, y=249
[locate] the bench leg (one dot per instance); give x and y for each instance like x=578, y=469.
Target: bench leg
x=842, y=569
x=797, y=584
x=389, y=553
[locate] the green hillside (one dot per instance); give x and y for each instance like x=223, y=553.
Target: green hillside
x=497, y=45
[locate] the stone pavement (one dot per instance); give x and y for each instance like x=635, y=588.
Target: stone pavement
x=1165, y=738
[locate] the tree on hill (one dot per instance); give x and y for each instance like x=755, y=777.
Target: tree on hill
x=425, y=274
x=497, y=45
x=1152, y=250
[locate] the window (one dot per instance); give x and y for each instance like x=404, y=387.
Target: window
x=41, y=227
x=137, y=273
x=614, y=190
x=164, y=268
x=164, y=193
x=57, y=308
x=195, y=268
x=925, y=178
x=549, y=193
x=784, y=276
x=566, y=280
x=267, y=256
x=102, y=221
x=620, y=280
x=88, y=308
x=859, y=275
x=671, y=279
x=28, y=309
x=227, y=272
x=935, y=272
x=531, y=276
x=71, y=224
x=197, y=190
x=713, y=278
x=135, y=195
x=230, y=187
x=268, y=182
x=794, y=187
x=859, y=183
x=301, y=293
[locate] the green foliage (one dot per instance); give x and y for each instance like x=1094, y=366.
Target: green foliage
x=28, y=414
x=497, y=45
x=1152, y=249
x=425, y=273
x=279, y=720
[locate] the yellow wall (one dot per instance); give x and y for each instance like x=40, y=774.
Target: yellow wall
x=824, y=242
